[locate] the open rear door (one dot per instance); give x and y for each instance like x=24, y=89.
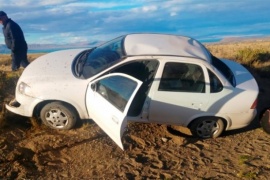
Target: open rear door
x=108, y=99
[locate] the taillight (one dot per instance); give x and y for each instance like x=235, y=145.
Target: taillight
x=254, y=105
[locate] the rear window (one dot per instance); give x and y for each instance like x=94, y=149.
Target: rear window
x=224, y=69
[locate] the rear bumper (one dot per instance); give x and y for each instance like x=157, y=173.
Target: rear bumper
x=242, y=119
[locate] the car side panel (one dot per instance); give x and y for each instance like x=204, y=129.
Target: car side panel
x=169, y=107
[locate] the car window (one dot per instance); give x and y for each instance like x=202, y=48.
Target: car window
x=117, y=90
x=215, y=84
x=182, y=77
x=224, y=69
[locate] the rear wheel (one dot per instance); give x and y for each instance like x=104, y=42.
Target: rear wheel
x=58, y=115
x=209, y=127
x=265, y=121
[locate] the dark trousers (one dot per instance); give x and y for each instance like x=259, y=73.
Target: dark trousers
x=19, y=58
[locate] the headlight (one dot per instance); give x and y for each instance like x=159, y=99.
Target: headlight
x=24, y=89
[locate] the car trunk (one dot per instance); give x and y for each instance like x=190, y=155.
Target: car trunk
x=245, y=84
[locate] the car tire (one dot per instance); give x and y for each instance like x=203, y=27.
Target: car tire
x=210, y=127
x=265, y=121
x=58, y=115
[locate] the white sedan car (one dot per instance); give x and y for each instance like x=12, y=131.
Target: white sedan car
x=149, y=78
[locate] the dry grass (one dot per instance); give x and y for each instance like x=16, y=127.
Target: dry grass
x=230, y=50
x=5, y=59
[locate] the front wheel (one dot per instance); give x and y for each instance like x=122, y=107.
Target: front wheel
x=209, y=127
x=265, y=121
x=58, y=115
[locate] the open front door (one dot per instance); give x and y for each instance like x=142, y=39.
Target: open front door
x=108, y=100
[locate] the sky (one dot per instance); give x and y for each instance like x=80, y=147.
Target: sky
x=80, y=21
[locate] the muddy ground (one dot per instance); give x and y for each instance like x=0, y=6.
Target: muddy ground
x=29, y=150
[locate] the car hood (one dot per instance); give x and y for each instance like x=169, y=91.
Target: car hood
x=55, y=64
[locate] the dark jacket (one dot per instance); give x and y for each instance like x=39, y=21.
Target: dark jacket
x=14, y=37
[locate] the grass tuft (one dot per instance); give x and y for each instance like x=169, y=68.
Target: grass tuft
x=249, y=56
x=244, y=158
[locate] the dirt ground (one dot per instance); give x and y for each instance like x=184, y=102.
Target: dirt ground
x=29, y=150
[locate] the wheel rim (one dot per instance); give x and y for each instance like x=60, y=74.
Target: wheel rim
x=56, y=118
x=207, y=128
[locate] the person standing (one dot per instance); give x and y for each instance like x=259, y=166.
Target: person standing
x=15, y=41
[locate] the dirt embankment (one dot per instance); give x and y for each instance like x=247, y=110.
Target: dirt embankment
x=31, y=151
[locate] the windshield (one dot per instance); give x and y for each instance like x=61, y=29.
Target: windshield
x=102, y=57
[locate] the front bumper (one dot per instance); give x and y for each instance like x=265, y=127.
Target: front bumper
x=23, y=108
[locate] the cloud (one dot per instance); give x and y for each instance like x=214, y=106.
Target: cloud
x=64, y=21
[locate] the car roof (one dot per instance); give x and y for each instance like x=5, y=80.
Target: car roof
x=165, y=44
